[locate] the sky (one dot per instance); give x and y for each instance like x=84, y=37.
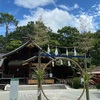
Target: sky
x=82, y=14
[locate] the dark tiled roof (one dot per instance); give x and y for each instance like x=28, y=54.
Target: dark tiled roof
x=17, y=49
x=18, y=62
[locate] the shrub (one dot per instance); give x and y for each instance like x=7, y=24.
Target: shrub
x=77, y=83
x=98, y=85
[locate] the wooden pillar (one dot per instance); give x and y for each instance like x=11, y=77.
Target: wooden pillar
x=29, y=70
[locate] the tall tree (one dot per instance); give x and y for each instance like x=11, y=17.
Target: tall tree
x=7, y=20
x=95, y=54
x=68, y=35
x=37, y=31
x=2, y=42
x=40, y=35
x=22, y=31
x=85, y=41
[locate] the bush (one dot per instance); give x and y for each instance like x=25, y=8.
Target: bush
x=98, y=85
x=77, y=83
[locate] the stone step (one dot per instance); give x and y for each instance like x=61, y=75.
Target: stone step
x=34, y=87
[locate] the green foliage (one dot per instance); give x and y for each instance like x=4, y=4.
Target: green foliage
x=13, y=45
x=67, y=31
x=22, y=32
x=86, y=77
x=68, y=35
x=54, y=38
x=95, y=52
x=98, y=85
x=40, y=35
x=39, y=74
x=85, y=41
x=7, y=19
x=77, y=83
x=2, y=43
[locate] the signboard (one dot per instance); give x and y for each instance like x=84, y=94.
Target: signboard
x=14, y=89
x=82, y=80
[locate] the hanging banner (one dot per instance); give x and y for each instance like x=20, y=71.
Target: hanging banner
x=69, y=64
x=48, y=50
x=61, y=62
x=75, y=53
x=56, y=51
x=67, y=52
x=53, y=63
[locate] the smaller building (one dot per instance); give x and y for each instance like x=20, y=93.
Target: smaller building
x=96, y=74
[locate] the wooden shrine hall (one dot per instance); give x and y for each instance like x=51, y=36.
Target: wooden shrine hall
x=22, y=62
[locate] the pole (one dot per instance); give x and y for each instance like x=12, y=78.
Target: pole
x=86, y=84
x=39, y=84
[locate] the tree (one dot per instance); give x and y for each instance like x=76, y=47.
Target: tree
x=22, y=31
x=2, y=43
x=40, y=34
x=85, y=41
x=13, y=45
x=54, y=38
x=96, y=49
x=7, y=20
x=68, y=35
x=36, y=31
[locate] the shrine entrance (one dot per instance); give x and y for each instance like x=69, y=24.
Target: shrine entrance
x=62, y=72
x=65, y=71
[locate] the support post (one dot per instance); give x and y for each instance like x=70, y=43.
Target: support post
x=39, y=84
x=86, y=84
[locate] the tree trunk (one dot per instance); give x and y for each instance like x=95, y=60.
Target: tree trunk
x=6, y=36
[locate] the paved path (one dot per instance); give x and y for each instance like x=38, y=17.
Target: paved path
x=54, y=94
